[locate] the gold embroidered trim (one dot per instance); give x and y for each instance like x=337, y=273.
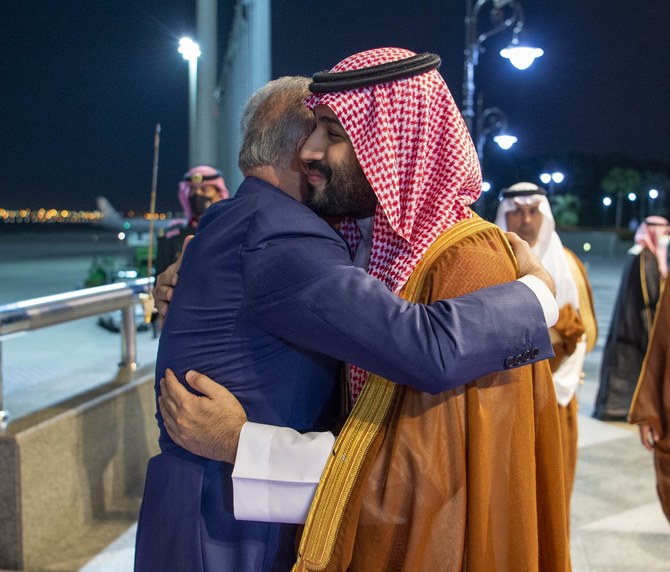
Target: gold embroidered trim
x=645, y=292
x=366, y=420
x=586, y=309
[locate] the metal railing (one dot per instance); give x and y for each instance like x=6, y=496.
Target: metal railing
x=47, y=311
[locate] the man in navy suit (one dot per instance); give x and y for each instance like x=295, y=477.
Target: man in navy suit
x=266, y=293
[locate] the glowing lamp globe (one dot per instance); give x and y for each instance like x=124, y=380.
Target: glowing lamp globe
x=189, y=49
x=505, y=141
x=521, y=57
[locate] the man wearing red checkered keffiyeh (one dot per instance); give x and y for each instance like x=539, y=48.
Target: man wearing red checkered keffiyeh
x=413, y=148
x=466, y=479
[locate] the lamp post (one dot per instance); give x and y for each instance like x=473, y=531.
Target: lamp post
x=652, y=196
x=191, y=52
x=493, y=121
x=480, y=204
x=552, y=179
x=607, y=202
x=504, y=14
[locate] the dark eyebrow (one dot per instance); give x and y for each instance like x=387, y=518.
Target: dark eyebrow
x=333, y=123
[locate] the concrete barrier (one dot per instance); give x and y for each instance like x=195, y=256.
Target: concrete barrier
x=72, y=475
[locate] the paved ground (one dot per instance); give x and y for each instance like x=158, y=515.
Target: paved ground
x=617, y=523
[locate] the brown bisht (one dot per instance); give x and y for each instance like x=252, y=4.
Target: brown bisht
x=571, y=326
x=469, y=479
x=651, y=402
x=628, y=335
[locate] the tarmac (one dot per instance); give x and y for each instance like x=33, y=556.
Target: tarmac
x=616, y=523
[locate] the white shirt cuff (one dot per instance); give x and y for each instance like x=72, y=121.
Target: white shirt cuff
x=276, y=472
x=544, y=296
x=569, y=374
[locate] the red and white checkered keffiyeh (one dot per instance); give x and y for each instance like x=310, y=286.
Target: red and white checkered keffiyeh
x=417, y=154
x=648, y=235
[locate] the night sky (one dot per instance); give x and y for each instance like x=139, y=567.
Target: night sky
x=82, y=84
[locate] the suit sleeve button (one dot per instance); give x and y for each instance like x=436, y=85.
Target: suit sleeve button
x=526, y=356
x=534, y=353
x=509, y=362
x=518, y=360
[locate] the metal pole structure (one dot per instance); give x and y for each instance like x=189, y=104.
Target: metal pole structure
x=192, y=110
x=473, y=43
x=492, y=120
x=205, y=128
x=28, y=315
x=128, y=364
x=152, y=200
x=246, y=68
x=260, y=43
x=471, y=54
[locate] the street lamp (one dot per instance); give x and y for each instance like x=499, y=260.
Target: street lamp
x=552, y=179
x=493, y=120
x=478, y=206
x=505, y=141
x=521, y=56
x=190, y=50
x=504, y=14
x=607, y=202
x=653, y=195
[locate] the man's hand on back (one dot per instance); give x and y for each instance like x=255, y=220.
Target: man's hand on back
x=207, y=425
x=528, y=262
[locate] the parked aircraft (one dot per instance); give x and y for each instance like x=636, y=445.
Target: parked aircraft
x=139, y=225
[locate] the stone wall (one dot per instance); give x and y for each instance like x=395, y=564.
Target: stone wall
x=71, y=476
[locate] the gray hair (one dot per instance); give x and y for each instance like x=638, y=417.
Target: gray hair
x=274, y=121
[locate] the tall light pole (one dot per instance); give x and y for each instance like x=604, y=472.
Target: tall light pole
x=504, y=14
x=607, y=202
x=191, y=52
x=652, y=196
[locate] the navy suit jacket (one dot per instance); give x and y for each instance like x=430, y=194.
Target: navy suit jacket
x=268, y=303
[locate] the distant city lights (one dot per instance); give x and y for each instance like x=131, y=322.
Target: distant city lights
x=587, y=246
x=653, y=194
x=63, y=216
x=607, y=201
x=632, y=197
x=486, y=186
